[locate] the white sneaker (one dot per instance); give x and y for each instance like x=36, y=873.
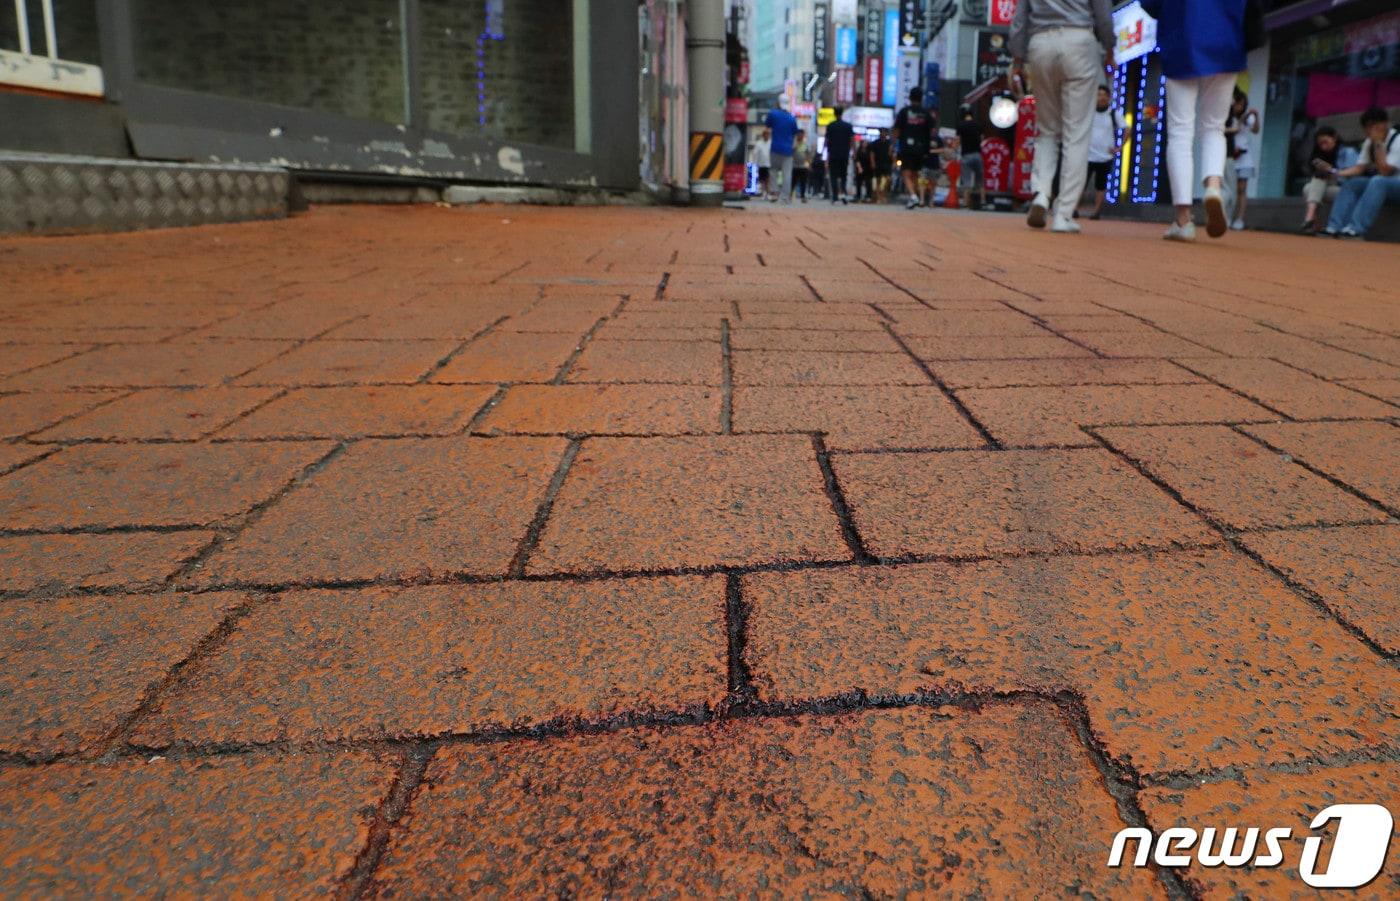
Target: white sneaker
x=1216, y=223
x=1186, y=233
x=1064, y=226
x=1035, y=216
x=1237, y=225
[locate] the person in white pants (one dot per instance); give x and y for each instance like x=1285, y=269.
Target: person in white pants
x=1066, y=43
x=1203, y=51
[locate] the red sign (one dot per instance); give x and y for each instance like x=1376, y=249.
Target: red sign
x=736, y=109
x=874, y=79
x=999, y=12
x=845, y=85
x=736, y=114
x=1024, y=162
x=996, y=164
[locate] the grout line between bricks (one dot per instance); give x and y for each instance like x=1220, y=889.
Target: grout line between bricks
x=532, y=535
x=726, y=412
x=1354, y=492
x=953, y=398
x=395, y=805
x=742, y=693
x=838, y=502
x=440, y=365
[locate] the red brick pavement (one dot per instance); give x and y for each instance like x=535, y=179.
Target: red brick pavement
x=628, y=552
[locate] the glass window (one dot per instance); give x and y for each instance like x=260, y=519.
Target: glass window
x=75, y=29
x=507, y=69
x=345, y=58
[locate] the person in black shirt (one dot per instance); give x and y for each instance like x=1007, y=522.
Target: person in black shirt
x=839, y=136
x=881, y=164
x=970, y=148
x=913, y=132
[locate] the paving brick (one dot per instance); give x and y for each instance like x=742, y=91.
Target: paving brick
x=194, y=363
x=1140, y=344
x=76, y=667
x=330, y=362
x=1000, y=802
x=161, y=413
x=563, y=316
x=1102, y=321
x=1014, y=347
x=14, y=455
x=607, y=409
x=1185, y=661
x=1385, y=389
x=632, y=504
x=1355, y=570
x=510, y=357
x=249, y=824
x=979, y=503
x=1289, y=391
x=781, y=367
x=1386, y=349
x=1036, y=373
x=408, y=508
x=1037, y=416
x=437, y=660
x=424, y=322
x=671, y=362
x=35, y=564
x=1235, y=481
x=1364, y=455
x=21, y=414
x=149, y=485
x=290, y=320
x=747, y=338
x=956, y=323
x=1318, y=359
x=351, y=412
x=1267, y=800
x=857, y=418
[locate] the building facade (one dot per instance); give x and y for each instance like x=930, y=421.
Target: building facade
x=530, y=92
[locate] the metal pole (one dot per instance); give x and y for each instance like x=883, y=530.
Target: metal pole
x=704, y=46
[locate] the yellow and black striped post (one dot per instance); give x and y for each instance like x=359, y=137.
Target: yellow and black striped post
x=706, y=162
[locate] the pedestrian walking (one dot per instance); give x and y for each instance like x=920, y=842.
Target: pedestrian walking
x=913, y=134
x=1104, y=144
x=801, y=165
x=762, y=157
x=782, y=125
x=1064, y=44
x=839, y=136
x=970, y=150
x=1203, y=51
x=882, y=162
x=1242, y=122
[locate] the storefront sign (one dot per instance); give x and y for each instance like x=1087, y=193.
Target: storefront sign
x=910, y=22
x=993, y=56
x=908, y=71
x=845, y=46
x=874, y=79
x=821, y=29
x=1000, y=12
x=1137, y=33
x=889, y=91
x=870, y=117
x=1024, y=161
x=873, y=31
x=845, y=85
x=843, y=12
x=996, y=164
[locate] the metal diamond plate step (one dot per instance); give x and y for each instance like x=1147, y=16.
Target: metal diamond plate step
x=50, y=194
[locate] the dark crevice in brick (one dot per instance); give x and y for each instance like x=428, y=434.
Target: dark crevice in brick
x=807, y=247
x=761, y=262
x=881, y=312
x=1121, y=782
x=491, y=403
x=1039, y=321
x=661, y=285
x=726, y=412
x=896, y=285
x=1232, y=540
x=740, y=678
x=1336, y=382
x=452, y=354
x=838, y=502
x=508, y=273
x=532, y=534
x=177, y=674
x=956, y=401
x=815, y=293
x=1235, y=391
x=391, y=811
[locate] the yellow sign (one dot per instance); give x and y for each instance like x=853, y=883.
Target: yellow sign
x=825, y=116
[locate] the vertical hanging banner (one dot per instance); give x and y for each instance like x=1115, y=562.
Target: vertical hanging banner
x=889, y=91
x=1024, y=159
x=821, y=34
x=996, y=163
x=845, y=46
x=736, y=117
x=910, y=22
x=845, y=85
x=907, y=76
x=874, y=79
x=999, y=13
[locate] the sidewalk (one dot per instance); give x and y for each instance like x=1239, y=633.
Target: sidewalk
x=521, y=552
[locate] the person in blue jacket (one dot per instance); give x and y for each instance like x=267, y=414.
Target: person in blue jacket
x=1203, y=52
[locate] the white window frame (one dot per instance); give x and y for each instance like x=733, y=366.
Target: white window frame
x=46, y=71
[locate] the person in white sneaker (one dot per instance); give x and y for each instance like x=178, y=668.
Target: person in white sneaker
x=1065, y=44
x=1203, y=51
